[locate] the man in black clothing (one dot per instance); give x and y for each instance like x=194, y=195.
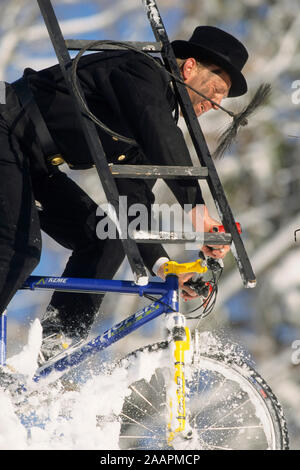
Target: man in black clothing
x=134, y=97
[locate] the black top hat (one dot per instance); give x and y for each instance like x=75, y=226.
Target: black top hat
x=220, y=48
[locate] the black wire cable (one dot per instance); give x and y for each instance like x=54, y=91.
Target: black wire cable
x=239, y=119
x=130, y=47
x=153, y=299
x=212, y=297
x=82, y=100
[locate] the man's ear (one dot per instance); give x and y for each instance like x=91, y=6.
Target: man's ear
x=188, y=67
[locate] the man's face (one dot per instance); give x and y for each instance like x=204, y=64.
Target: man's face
x=210, y=80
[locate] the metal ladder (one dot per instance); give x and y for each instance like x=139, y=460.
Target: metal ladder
x=107, y=173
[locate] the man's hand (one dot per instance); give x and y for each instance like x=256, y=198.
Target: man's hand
x=203, y=222
x=215, y=251
x=186, y=292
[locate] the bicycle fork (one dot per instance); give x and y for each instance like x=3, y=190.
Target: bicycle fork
x=176, y=392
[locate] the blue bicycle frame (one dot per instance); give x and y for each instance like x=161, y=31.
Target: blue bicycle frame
x=167, y=303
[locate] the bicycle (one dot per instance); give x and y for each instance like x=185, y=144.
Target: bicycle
x=187, y=398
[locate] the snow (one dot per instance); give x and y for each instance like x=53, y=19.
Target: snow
x=26, y=361
x=80, y=412
x=64, y=416
x=12, y=434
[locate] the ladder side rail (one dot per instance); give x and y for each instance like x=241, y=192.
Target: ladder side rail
x=93, y=142
x=201, y=148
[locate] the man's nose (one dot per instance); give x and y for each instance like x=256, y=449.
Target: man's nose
x=217, y=99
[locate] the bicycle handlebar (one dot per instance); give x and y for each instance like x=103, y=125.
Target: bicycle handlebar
x=199, y=266
x=221, y=228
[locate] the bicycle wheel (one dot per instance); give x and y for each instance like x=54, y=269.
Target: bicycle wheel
x=229, y=407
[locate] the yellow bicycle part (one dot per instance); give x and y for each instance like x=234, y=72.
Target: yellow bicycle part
x=198, y=266
x=180, y=347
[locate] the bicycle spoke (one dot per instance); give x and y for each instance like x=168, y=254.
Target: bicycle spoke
x=228, y=414
x=225, y=409
x=212, y=447
x=207, y=403
x=142, y=396
x=137, y=422
x=212, y=428
x=130, y=402
x=137, y=437
x=157, y=380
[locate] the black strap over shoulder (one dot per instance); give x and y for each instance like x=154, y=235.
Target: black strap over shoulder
x=27, y=100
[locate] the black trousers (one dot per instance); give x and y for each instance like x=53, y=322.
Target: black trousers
x=20, y=239
x=68, y=216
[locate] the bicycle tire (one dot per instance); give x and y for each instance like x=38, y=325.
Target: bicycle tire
x=253, y=416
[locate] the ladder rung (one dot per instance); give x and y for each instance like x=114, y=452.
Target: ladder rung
x=165, y=172
x=207, y=238
x=77, y=44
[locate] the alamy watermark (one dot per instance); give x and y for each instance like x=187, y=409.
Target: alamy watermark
x=296, y=93
x=129, y=220
x=295, y=358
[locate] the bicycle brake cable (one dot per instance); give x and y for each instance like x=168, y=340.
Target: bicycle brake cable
x=153, y=299
x=132, y=48
x=209, y=301
x=206, y=302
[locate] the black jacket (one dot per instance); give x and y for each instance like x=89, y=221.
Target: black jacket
x=133, y=97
